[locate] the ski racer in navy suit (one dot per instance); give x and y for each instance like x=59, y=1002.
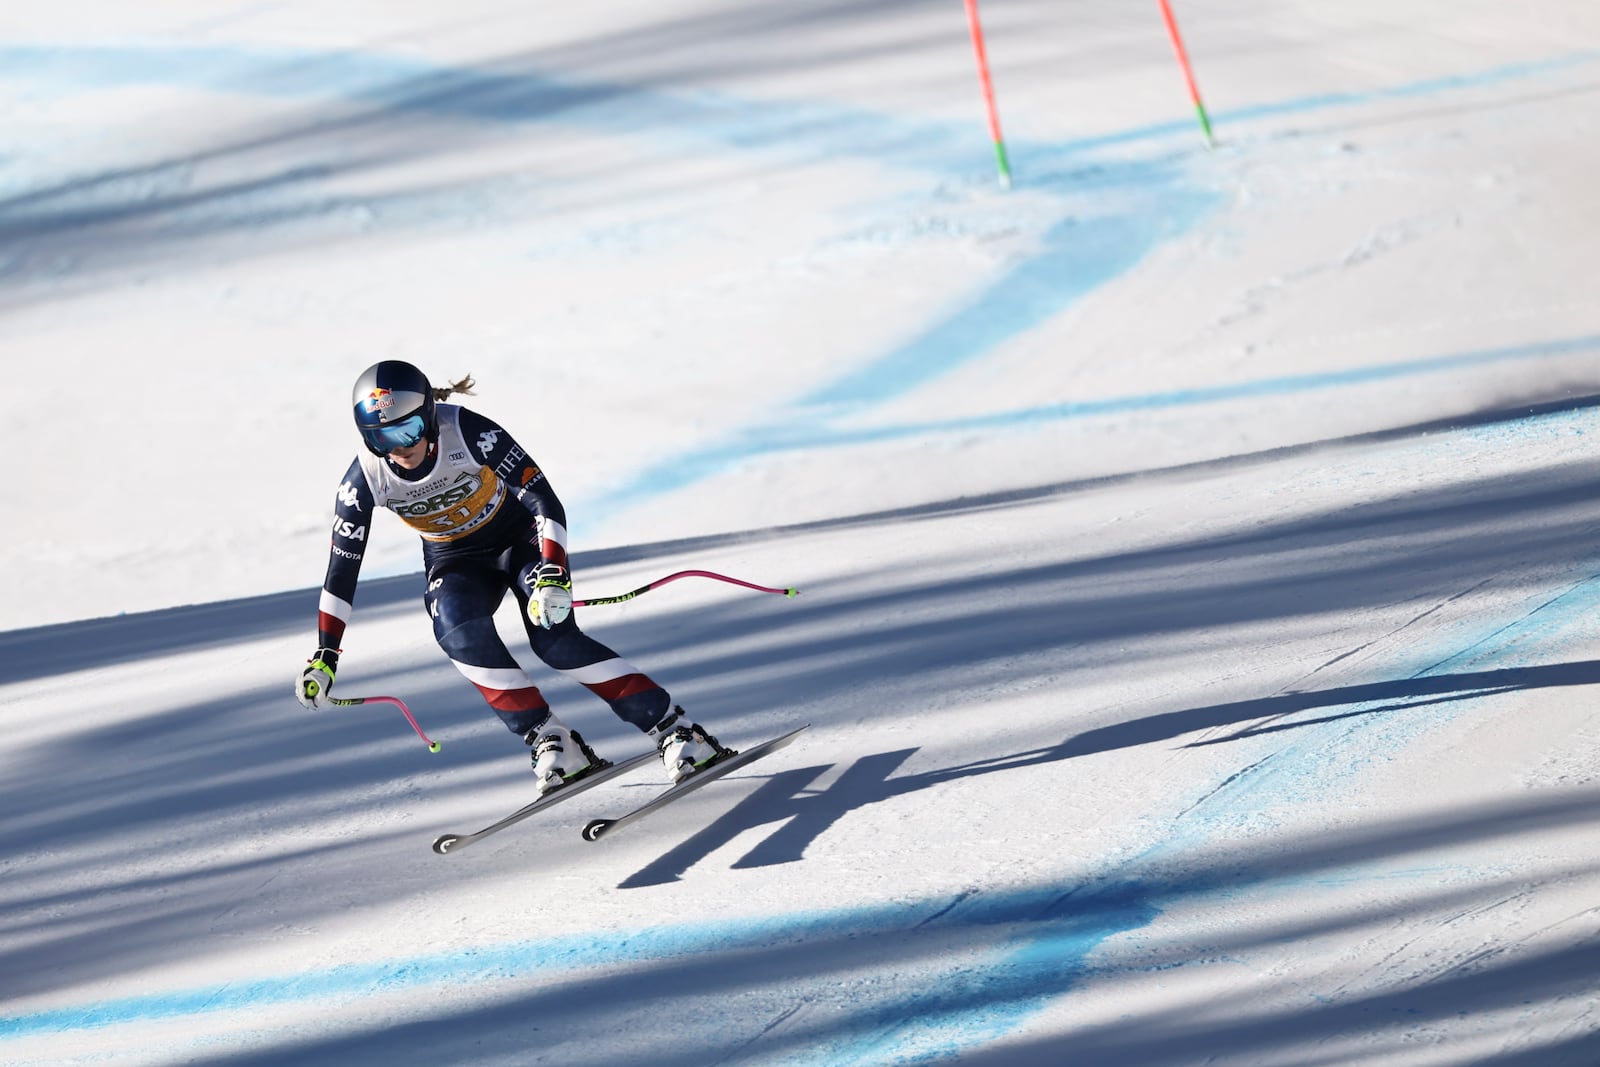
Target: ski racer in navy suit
x=489, y=523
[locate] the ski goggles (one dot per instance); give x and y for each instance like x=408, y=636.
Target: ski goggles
x=392, y=435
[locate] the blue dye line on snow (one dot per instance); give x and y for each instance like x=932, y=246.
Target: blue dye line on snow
x=801, y=432
x=1320, y=754
x=1065, y=927
x=1027, y=947
x=404, y=84
x=1077, y=256
x=1044, y=939
x=1019, y=950
x=797, y=131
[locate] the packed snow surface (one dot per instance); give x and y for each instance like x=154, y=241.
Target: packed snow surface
x=1197, y=545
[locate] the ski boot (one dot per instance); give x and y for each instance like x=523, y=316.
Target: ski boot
x=685, y=747
x=559, y=755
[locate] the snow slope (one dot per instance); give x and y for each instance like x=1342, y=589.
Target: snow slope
x=1196, y=546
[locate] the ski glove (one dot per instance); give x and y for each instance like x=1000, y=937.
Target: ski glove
x=315, y=682
x=551, y=600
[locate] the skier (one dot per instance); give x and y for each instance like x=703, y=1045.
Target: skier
x=489, y=522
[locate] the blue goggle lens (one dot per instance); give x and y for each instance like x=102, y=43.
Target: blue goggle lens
x=403, y=434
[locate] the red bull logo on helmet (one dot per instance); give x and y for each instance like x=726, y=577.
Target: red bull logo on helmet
x=378, y=401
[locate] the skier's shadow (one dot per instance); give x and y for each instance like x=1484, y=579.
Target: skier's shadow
x=805, y=814
x=783, y=797
x=780, y=799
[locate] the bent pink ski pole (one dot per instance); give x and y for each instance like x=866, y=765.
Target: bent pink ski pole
x=791, y=593
x=346, y=702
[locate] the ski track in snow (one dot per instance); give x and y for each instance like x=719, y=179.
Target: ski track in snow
x=1159, y=201
x=1025, y=948
x=1010, y=954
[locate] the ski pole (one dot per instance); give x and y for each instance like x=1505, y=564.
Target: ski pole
x=346, y=702
x=791, y=593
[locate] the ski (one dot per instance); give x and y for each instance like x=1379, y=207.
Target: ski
x=447, y=843
x=732, y=761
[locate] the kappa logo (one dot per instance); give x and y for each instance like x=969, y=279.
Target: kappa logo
x=487, y=440
x=349, y=497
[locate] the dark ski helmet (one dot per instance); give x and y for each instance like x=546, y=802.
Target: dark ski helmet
x=394, y=407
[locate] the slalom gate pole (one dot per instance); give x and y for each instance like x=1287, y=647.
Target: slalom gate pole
x=347, y=702
x=1188, y=74
x=592, y=601
x=988, y=94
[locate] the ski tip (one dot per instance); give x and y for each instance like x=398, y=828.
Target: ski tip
x=445, y=842
x=595, y=828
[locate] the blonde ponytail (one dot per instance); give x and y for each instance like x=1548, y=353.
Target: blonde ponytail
x=462, y=386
